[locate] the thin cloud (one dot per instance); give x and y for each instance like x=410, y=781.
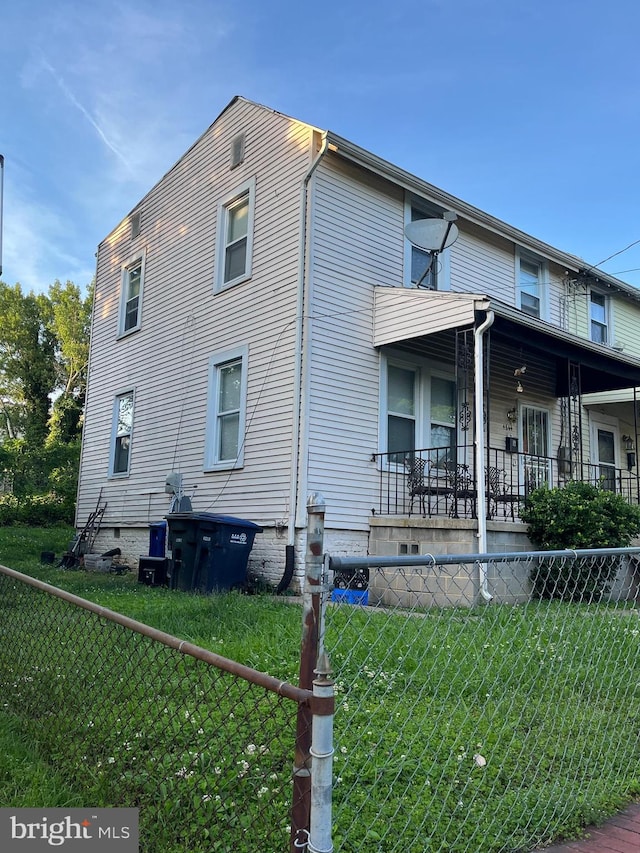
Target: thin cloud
x=76, y=103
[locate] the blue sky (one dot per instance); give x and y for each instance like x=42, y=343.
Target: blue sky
x=528, y=110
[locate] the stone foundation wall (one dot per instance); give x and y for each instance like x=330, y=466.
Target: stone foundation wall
x=456, y=585
x=267, y=557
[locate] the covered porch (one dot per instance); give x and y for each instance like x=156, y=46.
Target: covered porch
x=461, y=366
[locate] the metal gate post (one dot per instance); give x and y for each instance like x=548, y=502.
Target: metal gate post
x=313, y=564
x=322, y=758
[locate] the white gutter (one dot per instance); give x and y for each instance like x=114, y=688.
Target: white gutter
x=301, y=345
x=479, y=449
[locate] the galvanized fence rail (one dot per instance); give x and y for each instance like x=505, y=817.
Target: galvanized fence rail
x=484, y=703
x=204, y=746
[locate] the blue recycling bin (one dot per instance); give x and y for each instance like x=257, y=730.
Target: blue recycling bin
x=157, y=539
x=224, y=543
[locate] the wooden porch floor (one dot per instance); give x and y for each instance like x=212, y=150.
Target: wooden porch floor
x=620, y=834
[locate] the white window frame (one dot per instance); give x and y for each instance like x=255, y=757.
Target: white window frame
x=116, y=434
x=608, y=341
x=217, y=361
x=137, y=260
x=246, y=190
x=442, y=261
x=424, y=373
x=543, y=278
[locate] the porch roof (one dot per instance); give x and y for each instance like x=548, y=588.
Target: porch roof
x=403, y=314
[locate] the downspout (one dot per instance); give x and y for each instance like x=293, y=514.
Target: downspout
x=300, y=345
x=478, y=336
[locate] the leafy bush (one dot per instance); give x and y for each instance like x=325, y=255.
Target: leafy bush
x=577, y=516
x=36, y=510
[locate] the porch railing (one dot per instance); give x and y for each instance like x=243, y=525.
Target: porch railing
x=437, y=481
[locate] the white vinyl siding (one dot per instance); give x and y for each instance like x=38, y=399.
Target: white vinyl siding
x=234, y=250
x=226, y=410
x=358, y=242
x=167, y=361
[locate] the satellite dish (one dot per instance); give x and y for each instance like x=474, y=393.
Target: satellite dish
x=431, y=235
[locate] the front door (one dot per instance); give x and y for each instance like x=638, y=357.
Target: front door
x=604, y=453
x=536, y=443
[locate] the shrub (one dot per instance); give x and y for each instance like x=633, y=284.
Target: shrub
x=36, y=510
x=577, y=516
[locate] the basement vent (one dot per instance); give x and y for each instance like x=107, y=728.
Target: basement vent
x=135, y=224
x=237, y=150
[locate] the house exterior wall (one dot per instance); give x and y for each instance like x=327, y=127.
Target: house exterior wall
x=166, y=362
x=355, y=245
x=339, y=237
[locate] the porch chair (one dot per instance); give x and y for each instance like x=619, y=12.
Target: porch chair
x=463, y=490
x=498, y=493
x=426, y=482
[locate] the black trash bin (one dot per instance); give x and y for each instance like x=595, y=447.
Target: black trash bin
x=222, y=552
x=183, y=540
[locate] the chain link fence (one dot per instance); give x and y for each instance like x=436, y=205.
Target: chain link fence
x=484, y=703
x=204, y=747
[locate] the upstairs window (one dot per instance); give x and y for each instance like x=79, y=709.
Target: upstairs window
x=531, y=277
x=422, y=269
x=121, y=434
x=235, y=237
x=131, y=296
x=599, y=318
x=226, y=409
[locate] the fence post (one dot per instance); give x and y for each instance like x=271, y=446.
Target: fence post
x=313, y=564
x=322, y=756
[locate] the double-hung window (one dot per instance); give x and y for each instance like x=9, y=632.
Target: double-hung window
x=443, y=418
x=226, y=409
x=234, y=250
x=423, y=269
x=121, y=434
x=131, y=295
x=599, y=317
x=419, y=411
x=401, y=411
x=531, y=285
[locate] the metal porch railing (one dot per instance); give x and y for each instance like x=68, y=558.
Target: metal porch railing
x=442, y=481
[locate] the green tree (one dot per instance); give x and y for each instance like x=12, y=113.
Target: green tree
x=70, y=324
x=27, y=358
x=44, y=353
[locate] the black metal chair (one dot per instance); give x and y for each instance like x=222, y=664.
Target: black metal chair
x=429, y=484
x=464, y=490
x=499, y=494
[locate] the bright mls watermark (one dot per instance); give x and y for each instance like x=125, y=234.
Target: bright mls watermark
x=80, y=830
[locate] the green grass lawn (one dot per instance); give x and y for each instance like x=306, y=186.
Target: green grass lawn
x=465, y=731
